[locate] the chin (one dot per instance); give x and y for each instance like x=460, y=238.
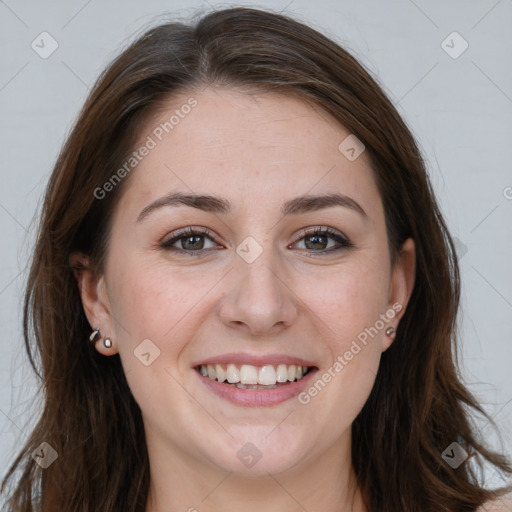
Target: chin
x=255, y=452
x=273, y=463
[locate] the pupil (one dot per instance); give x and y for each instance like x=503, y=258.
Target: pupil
x=316, y=239
x=194, y=244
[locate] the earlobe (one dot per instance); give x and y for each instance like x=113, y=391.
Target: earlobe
x=105, y=346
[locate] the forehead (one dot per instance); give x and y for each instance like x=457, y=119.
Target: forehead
x=247, y=146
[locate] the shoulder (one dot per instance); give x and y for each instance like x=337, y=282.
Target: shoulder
x=502, y=504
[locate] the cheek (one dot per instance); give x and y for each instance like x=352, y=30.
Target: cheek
x=151, y=299
x=348, y=300
x=349, y=310
x=155, y=303
x=348, y=306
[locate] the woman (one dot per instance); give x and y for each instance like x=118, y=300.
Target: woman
x=243, y=293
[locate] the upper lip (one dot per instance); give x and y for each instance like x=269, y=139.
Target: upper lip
x=240, y=358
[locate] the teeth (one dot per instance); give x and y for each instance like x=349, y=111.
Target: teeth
x=232, y=374
x=282, y=373
x=249, y=374
x=211, y=372
x=252, y=377
x=267, y=376
x=221, y=374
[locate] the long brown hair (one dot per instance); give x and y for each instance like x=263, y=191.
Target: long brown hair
x=418, y=405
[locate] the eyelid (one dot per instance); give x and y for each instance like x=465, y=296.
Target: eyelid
x=315, y=229
x=188, y=231
x=342, y=240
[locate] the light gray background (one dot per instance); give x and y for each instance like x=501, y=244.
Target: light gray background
x=460, y=109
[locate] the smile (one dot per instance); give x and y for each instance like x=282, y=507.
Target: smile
x=255, y=385
x=247, y=376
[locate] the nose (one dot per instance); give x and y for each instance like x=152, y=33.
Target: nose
x=258, y=298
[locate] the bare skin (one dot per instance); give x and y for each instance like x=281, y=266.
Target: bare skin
x=257, y=152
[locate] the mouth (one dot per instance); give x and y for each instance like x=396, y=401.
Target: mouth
x=247, y=376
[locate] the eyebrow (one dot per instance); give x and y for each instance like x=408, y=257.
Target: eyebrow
x=213, y=204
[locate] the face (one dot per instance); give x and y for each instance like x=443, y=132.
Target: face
x=263, y=279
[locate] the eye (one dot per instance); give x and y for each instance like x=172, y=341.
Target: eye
x=318, y=240
x=188, y=241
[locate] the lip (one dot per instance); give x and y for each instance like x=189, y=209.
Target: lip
x=257, y=397
x=254, y=360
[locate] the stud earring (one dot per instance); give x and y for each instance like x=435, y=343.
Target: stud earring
x=390, y=331
x=107, y=342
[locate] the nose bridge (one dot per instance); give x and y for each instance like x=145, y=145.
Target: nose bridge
x=259, y=278
x=258, y=296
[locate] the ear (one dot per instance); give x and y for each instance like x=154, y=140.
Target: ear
x=93, y=292
x=401, y=285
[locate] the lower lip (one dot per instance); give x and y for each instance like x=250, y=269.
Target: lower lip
x=257, y=397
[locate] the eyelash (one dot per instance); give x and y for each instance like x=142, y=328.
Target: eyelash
x=344, y=242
